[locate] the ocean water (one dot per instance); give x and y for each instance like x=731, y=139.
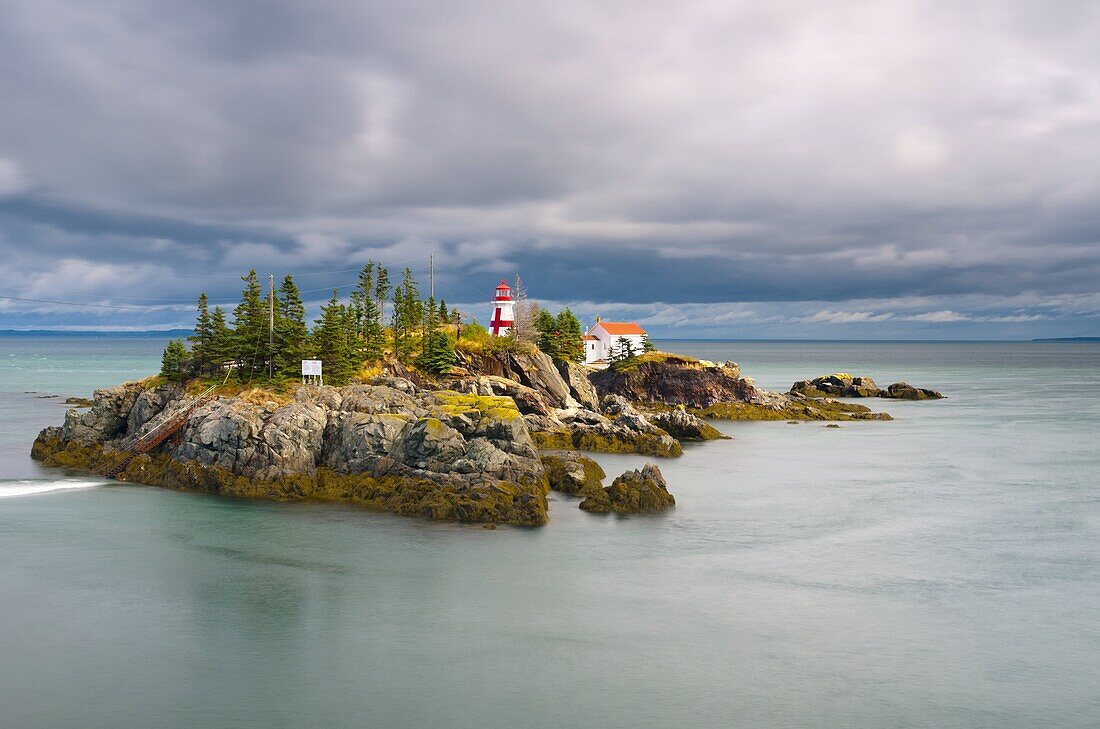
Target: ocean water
x=939, y=570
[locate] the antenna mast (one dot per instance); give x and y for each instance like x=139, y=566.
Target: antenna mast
x=271, y=325
x=431, y=272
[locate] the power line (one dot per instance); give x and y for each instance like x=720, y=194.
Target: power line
x=74, y=303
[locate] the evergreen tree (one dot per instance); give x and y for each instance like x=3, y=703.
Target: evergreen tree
x=647, y=346
x=173, y=360
x=250, y=327
x=438, y=356
x=571, y=338
x=444, y=315
x=408, y=316
x=622, y=349
x=382, y=289
x=548, y=334
x=329, y=342
x=291, y=334
x=222, y=345
x=200, y=340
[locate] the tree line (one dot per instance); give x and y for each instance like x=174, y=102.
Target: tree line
x=268, y=338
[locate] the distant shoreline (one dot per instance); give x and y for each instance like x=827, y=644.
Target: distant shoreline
x=140, y=334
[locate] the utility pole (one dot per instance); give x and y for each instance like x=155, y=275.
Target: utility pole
x=271, y=326
x=431, y=272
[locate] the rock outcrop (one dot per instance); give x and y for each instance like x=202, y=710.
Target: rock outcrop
x=442, y=455
x=634, y=492
x=683, y=426
x=620, y=428
x=673, y=380
x=573, y=474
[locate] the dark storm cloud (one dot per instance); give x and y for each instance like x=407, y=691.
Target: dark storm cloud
x=616, y=154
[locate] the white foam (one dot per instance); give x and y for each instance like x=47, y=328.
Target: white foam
x=9, y=489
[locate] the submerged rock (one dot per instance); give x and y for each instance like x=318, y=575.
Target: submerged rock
x=634, y=492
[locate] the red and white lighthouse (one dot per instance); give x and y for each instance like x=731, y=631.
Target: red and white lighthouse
x=504, y=315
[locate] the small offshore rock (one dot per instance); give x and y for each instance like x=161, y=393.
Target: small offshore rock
x=838, y=384
x=635, y=492
x=572, y=473
x=905, y=391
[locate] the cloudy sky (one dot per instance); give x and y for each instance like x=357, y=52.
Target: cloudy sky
x=721, y=168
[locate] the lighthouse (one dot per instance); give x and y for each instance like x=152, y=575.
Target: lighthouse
x=503, y=311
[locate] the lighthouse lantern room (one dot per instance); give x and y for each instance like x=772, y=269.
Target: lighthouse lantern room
x=503, y=311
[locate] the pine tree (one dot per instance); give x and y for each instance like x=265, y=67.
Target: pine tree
x=329, y=342
x=291, y=334
x=222, y=345
x=647, y=346
x=200, y=340
x=250, y=327
x=438, y=356
x=382, y=291
x=173, y=360
x=548, y=334
x=408, y=316
x=444, y=315
x=571, y=338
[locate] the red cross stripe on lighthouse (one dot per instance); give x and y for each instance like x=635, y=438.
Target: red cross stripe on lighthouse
x=497, y=324
x=503, y=316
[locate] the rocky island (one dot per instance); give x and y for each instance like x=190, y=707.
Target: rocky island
x=428, y=418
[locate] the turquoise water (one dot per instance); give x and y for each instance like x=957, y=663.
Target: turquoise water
x=940, y=570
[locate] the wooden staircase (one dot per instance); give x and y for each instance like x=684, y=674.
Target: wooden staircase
x=159, y=434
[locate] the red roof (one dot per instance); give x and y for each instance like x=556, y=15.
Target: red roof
x=621, y=327
x=591, y=338
x=504, y=285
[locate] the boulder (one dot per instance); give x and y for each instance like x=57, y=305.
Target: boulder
x=573, y=474
x=634, y=492
x=905, y=391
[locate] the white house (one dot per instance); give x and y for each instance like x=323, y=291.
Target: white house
x=603, y=339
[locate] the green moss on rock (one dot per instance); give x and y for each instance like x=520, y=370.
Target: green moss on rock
x=498, y=502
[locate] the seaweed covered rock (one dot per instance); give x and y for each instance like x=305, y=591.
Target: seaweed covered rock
x=573, y=474
x=905, y=391
x=663, y=379
x=444, y=455
x=619, y=429
x=683, y=426
x=838, y=384
x=634, y=492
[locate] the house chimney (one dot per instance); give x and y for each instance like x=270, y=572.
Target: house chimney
x=598, y=318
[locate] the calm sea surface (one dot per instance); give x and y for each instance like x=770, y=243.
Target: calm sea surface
x=940, y=570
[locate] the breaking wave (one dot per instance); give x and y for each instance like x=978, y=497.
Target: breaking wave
x=28, y=487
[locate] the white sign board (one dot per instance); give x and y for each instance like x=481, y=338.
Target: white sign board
x=311, y=368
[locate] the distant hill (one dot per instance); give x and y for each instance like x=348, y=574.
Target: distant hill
x=1068, y=339
x=147, y=334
